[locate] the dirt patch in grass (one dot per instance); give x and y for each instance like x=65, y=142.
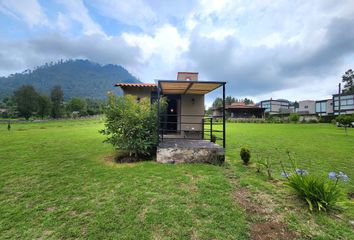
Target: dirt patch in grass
x=109, y=158
x=122, y=157
x=270, y=230
x=260, y=209
x=194, y=235
x=241, y=197
x=50, y=209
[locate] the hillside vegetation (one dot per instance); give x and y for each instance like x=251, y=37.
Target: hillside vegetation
x=78, y=78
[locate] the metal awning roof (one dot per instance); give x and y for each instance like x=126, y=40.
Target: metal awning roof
x=188, y=87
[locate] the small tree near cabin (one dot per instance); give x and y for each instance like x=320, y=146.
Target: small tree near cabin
x=130, y=125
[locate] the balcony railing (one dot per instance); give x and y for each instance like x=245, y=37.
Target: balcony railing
x=194, y=127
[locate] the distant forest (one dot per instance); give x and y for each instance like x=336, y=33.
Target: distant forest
x=77, y=78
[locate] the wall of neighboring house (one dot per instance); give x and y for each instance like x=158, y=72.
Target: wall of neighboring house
x=346, y=106
x=309, y=117
x=192, y=105
x=217, y=112
x=307, y=106
x=275, y=106
x=329, y=107
x=324, y=107
x=140, y=92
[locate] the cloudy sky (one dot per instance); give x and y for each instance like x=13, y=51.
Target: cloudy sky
x=295, y=49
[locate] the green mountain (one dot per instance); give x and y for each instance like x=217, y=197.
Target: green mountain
x=80, y=78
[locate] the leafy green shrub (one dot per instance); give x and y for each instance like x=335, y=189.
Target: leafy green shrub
x=319, y=193
x=316, y=191
x=267, y=165
x=245, y=155
x=326, y=119
x=345, y=121
x=131, y=126
x=294, y=117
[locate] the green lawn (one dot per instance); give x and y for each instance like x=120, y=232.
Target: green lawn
x=56, y=182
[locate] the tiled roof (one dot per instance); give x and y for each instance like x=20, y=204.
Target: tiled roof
x=135, y=85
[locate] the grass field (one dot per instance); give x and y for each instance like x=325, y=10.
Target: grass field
x=56, y=181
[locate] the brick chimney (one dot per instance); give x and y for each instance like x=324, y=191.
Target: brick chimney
x=187, y=76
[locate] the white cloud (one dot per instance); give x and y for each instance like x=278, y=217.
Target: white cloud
x=167, y=43
x=29, y=11
x=132, y=12
x=162, y=52
x=20, y=55
x=77, y=11
x=63, y=22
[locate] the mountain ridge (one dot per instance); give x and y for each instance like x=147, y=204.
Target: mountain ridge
x=78, y=78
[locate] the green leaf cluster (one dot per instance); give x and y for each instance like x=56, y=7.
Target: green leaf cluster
x=318, y=192
x=131, y=125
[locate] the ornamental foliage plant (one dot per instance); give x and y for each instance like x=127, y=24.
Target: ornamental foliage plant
x=318, y=192
x=131, y=125
x=245, y=155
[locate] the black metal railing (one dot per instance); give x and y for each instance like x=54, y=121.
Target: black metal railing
x=206, y=128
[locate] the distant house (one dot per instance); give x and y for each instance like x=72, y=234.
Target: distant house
x=346, y=103
x=307, y=110
x=241, y=110
x=306, y=107
x=278, y=106
x=324, y=107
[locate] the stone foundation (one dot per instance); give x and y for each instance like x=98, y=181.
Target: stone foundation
x=189, y=151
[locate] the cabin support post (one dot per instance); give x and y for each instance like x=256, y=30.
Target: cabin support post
x=158, y=113
x=223, y=116
x=211, y=129
x=202, y=128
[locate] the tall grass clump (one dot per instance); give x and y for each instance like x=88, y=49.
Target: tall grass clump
x=318, y=192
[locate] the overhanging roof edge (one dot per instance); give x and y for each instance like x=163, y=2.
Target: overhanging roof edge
x=188, y=84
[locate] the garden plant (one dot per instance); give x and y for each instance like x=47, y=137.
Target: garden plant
x=319, y=193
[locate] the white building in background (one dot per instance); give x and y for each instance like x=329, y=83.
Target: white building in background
x=310, y=109
x=324, y=107
x=279, y=106
x=346, y=103
x=307, y=107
